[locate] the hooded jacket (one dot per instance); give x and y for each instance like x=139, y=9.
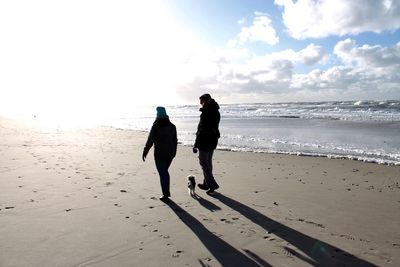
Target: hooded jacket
x=207, y=134
x=164, y=137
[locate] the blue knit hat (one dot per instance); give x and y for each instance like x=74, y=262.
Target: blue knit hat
x=161, y=113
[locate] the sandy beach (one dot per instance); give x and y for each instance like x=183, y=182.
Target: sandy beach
x=84, y=197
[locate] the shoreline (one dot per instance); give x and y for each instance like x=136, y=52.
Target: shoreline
x=85, y=198
x=300, y=154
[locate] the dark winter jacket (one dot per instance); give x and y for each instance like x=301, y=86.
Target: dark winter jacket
x=207, y=131
x=163, y=136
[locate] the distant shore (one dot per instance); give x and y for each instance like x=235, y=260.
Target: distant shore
x=85, y=198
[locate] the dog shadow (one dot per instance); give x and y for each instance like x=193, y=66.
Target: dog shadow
x=318, y=253
x=205, y=203
x=223, y=252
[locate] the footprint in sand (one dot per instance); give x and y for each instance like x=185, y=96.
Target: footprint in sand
x=289, y=252
x=347, y=237
x=177, y=253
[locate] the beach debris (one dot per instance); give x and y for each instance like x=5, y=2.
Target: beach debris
x=67, y=210
x=276, y=203
x=122, y=191
x=9, y=207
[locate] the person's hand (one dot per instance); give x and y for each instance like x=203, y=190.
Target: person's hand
x=195, y=150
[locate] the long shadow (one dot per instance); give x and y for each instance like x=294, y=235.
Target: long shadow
x=205, y=203
x=319, y=252
x=224, y=253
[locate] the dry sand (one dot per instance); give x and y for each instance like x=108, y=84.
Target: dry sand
x=85, y=198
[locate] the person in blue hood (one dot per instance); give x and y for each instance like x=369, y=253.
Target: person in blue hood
x=164, y=137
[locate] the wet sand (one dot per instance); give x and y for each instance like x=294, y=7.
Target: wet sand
x=85, y=198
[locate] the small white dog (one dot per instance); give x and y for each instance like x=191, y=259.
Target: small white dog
x=191, y=184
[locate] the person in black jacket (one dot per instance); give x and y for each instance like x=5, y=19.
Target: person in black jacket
x=164, y=137
x=207, y=136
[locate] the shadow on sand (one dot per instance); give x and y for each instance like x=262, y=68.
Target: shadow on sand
x=319, y=253
x=224, y=253
x=205, y=203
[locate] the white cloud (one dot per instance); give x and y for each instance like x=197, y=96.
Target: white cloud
x=313, y=54
x=364, y=72
x=236, y=71
x=367, y=56
x=321, y=18
x=370, y=68
x=261, y=30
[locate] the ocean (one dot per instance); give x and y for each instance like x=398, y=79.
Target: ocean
x=359, y=130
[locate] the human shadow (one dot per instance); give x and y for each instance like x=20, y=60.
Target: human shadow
x=318, y=253
x=223, y=252
x=205, y=203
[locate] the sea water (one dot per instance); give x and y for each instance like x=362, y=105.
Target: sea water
x=360, y=130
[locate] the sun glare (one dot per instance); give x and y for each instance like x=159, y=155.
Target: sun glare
x=75, y=61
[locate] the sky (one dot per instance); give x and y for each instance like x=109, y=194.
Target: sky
x=98, y=57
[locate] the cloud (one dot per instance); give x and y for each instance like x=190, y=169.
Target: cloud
x=261, y=30
x=313, y=54
x=236, y=71
x=368, y=56
x=322, y=18
x=363, y=72
x=370, y=68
